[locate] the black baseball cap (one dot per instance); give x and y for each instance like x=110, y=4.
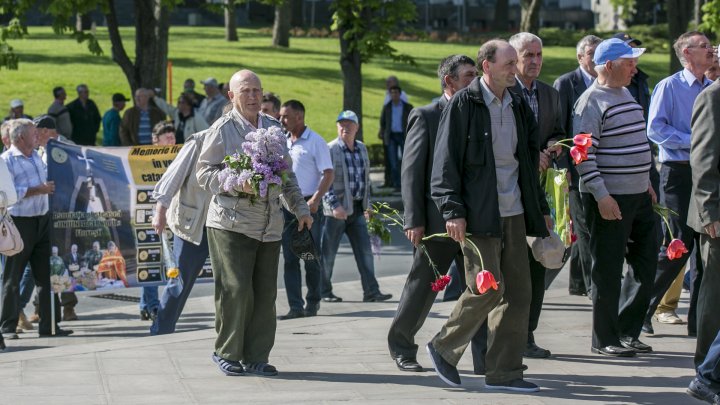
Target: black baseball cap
x=44, y=121
x=627, y=38
x=118, y=97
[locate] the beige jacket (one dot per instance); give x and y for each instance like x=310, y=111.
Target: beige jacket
x=179, y=190
x=261, y=220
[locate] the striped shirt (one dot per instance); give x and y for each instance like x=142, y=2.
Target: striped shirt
x=26, y=172
x=619, y=159
x=355, y=173
x=144, y=129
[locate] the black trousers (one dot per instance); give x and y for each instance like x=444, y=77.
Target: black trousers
x=417, y=297
x=675, y=193
x=35, y=233
x=620, y=303
x=580, y=260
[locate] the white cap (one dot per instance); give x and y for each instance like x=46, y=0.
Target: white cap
x=16, y=103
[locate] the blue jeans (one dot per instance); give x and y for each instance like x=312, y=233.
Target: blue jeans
x=149, y=299
x=708, y=372
x=190, y=259
x=394, y=150
x=313, y=268
x=27, y=285
x=355, y=228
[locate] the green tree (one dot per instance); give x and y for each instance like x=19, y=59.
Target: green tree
x=530, y=15
x=365, y=28
x=680, y=13
x=711, y=17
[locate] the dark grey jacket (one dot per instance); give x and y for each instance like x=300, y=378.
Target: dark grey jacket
x=550, y=124
x=570, y=86
x=464, y=183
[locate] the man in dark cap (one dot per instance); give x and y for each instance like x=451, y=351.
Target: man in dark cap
x=111, y=121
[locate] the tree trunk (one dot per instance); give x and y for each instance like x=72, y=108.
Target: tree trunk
x=281, y=26
x=501, y=21
x=151, y=45
x=530, y=16
x=682, y=13
x=351, y=66
x=230, y=21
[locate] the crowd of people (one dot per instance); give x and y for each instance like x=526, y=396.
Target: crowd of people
x=468, y=164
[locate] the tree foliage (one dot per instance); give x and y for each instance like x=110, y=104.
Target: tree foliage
x=711, y=17
x=626, y=7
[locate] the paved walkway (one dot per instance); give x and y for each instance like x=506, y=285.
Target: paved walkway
x=339, y=356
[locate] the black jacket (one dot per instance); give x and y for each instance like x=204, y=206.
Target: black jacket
x=570, y=86
x=418, y=206
x=85, y=122
x=386, y=120
x=464, y=183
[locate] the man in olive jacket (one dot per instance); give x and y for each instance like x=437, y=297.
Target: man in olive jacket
x=484, y=181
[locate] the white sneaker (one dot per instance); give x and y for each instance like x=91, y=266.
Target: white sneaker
x=669, y=318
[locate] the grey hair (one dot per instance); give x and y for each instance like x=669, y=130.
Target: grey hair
x=683, y=42
x=450, y=65
x=600, y=69
x=522, y=39
x=18, y=128
x=588, y=40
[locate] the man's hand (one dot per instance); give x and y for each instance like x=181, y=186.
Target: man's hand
x=713, y=229
x=554, y=148
x=609, y=208
x=159, y=220
x=248, y=188
x=314, y=204
x=653, y=196
x=544, y=160
x=456, y=229
x=339, y=213
x=305, y=221
x=549, y=223
x=49, y=187
x=415, y=235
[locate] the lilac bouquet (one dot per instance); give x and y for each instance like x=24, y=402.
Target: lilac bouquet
x=260, y=164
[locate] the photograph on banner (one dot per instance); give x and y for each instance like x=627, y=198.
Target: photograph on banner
x=102, y=236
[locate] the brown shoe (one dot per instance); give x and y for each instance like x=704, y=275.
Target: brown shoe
x=24, y=323
x=69, y=314
x=34, y=318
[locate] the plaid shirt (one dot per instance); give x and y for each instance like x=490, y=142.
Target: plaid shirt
x=530, y=95
x=356, y=176
x=27, y=172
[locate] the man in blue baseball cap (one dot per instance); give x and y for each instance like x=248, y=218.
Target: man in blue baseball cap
x=617, y=201
x=344, y=207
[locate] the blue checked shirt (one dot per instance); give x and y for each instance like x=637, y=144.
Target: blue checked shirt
x=530, y=96
x=356, y=176
x=27, y=172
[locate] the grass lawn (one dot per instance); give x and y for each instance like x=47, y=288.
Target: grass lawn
x=308, y=71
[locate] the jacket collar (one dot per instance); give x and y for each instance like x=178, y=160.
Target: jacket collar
x=475, y=92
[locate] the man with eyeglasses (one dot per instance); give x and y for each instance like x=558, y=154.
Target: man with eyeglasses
x=669, y=127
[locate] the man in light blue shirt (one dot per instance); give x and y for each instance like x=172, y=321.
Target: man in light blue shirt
x=31, y=216
x=669, y=127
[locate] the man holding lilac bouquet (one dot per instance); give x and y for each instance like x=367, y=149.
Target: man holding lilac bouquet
x=245, y=223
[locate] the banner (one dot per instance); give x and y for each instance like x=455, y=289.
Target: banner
x=102, y=209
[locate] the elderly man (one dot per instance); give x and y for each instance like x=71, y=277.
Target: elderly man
x=244, y=238
x=345, y=206
x=544, y=102
x=617, y=196
x=60, y=113
x=570, y=86
x=17, y=110
x=189, y=89
x=85, y=117
x=138, y=121
x=212, y=105
x=484, y=182
x=314, y=170
x=180, y=202
x=669, y=127
x=704, y=214
x=32, y=218
x=422, y=216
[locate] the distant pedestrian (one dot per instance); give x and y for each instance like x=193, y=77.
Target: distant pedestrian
x=189, y=89
x=111, y=121
x=60, y=113
x=185, y=119
x=85, y=117
x=138, y=121
x=17, y=110
x=211, y=107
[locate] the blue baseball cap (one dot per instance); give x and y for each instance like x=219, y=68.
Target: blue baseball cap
x=348, y=115
x=614, y=49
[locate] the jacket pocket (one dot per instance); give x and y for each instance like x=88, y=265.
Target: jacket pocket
x=188, y=216
x=475, y=155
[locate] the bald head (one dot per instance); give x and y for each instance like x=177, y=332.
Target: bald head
x=246, y=94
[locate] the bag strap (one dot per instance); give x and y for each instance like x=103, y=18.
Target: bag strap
x=3, y=204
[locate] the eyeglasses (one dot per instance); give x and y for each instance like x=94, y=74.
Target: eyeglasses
x=701, y=46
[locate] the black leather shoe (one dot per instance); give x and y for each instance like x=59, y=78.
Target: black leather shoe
x=635, y=344
x=58, y=333
x=698, y=389
x=408, y=364
x=2, y=343
x=312, y=310
x=534, y=351
x=377, y=297
x=614, y=351
x=332, y=298
x=446, y=371
x=292, y=314
x=647, y=328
